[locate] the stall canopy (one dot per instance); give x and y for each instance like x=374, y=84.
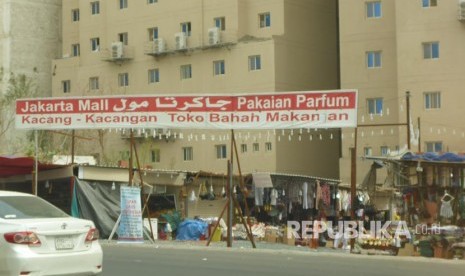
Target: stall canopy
x=11, y=166
x=432, y=156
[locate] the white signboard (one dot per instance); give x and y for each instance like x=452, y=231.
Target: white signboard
x=130, y=226
x=307, y=109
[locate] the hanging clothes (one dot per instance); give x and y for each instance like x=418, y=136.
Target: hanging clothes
x=446, y=210
x=326, y=194
x=304, y=196
x=273, y=197
x=318, y=194
x=259, y=193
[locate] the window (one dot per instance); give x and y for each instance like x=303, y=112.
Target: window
x=154, y=76
x=433, y=146
x=375, y=106
x=255, y=146
x=268, y=146
x=66, y=85
x=432, y=100
x=264, y=19
x=429, y=3
x=155, y=155
x=152, y=1
x=75, y=15
x=243, y=148
x=123, y=37
x=76, y=50
x=153, y=33
x=218, y=67
x=95, y=44
x=123, y=4
x=430, y=50
x=186, y=28
x=186, y=71
x=220, y=23
x=254, y=63
x=221, y=152
x=188, y=153
x=93, y=83
x=123, y=79
x=373, y=9
x=384, y=150
x=374, y=59
x=368, y=151
x=95, y=7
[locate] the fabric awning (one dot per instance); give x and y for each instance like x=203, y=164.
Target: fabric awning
x=262, y=180
x=11, y=166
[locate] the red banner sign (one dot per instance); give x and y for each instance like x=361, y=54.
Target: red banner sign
x=314, y=109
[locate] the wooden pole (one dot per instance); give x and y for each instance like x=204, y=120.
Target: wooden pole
x=72, y=146
x=131, y=172
x=230, y=205
x=419, y=135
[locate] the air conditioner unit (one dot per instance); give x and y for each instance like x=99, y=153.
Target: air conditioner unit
x=181, y=41
x=159, y=45
x=461, y=12
x=213, y=36
x=117, y=50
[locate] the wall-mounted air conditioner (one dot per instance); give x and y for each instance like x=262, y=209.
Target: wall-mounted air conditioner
x=159, y=45
x=213, y=36
x=181, y=41
x=461, y=12
x=117, y=49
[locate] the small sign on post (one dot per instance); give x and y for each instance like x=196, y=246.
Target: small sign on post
x=130, y=226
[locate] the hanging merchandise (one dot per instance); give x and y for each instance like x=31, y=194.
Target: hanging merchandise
x=304, y=196
x=318, y=194
x=273, y=197
x=223, y=192
x=446, y=207
x=259, y=193
x=326, y=194
x=192, y=196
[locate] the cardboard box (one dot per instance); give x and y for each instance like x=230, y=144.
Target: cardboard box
x=329, y=243
x=407, y=250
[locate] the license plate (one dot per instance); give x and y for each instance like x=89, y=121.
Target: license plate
x=64, y=243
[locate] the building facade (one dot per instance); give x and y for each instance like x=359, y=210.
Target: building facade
x=30, y=38
x=158, y=47
x=389, y=48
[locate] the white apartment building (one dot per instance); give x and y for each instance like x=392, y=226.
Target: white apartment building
x=195, y=47
x=389, y=47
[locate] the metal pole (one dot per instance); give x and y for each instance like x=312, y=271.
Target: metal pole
x=407, y=96
x=419, y=135
x=353, y=180
x=36, y=162
x=230, y=208
x=131, y=172
x=72, y=146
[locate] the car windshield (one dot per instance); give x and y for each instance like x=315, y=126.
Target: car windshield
x=26, y=207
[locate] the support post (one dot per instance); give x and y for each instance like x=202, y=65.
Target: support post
x=407, y=99
x=36, y=163
x=353, y=185
x=230, y=204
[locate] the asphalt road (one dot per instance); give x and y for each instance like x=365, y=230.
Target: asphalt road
x=154, y=260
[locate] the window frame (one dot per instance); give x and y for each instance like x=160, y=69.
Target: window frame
x=95, y=7
x=186, y=71
x=153, y=33
x=434, y=145
x=76, y=49
x=373, y=104
x=124, y=38
x=75, y=15
x=368, y=151
x=429, y=3
x=188, y=153
x=219, y=68
x=373, y=59
x=264, y=20
x=123, y=79
x=384, y=150
x=220, y=23
x=255, y=63
x=221, y=151
x=256, y=147
x=95, y=44
x=243, y=148
x=268, y=146
x=66, y=86
x=155, y=155
x=186, y=27
x=153, y=75
x=431, y=50
x=371, y=11
x=149, y=2
x=432, y=100
x=123, y=4
x=94, y=84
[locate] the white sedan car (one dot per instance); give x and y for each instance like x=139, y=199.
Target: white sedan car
x=37, y=238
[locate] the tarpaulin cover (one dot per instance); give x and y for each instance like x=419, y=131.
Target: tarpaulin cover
x=191, y=230
x=98, y=202
x=11, y=166
x=432, y=156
